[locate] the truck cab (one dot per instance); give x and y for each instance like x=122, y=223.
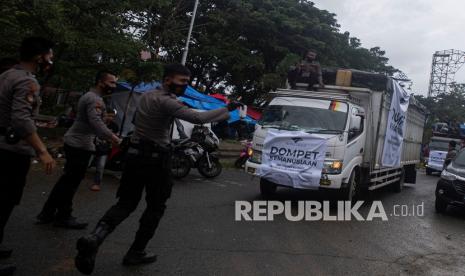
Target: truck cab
x=338, y=118
x=353, y=120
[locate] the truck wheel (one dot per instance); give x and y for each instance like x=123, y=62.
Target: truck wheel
x=440, y=205
x=267, y=188
x=398, y=186
x=410, y=174
x=429, y=171
x=350, y=192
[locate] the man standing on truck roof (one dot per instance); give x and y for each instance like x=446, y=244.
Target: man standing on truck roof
x=451, y=153
x=308, y=71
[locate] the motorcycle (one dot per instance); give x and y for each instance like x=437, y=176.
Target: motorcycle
x=245, y=154
x=116, y=156
x=200, y=151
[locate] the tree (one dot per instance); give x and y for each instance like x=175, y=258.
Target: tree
x=244, y=45
x=445, y=107
x=89, y=35
x=249, y=45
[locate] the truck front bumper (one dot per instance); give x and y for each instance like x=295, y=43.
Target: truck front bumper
x=434, y=168
x=327, y=181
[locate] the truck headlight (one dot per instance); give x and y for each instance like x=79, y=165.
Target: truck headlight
x=332, y=166
x=249, y=151
x=256, y=157
x=448, y=176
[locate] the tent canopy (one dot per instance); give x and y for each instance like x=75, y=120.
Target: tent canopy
x=192, y=98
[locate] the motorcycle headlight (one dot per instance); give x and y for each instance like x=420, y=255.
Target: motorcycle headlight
x=332, y=166
x=256, y=157
x=250, y=152
x=448, y=176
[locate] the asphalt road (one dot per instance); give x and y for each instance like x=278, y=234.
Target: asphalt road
x=199, y=235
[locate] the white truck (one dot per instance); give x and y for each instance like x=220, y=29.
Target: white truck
x=355, y=131
x=438, y=148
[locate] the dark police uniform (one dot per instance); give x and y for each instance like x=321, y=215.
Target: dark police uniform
x=79, y=147
x=146, y=161
x=19, y=101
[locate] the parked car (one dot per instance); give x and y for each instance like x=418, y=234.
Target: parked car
x=450, y=189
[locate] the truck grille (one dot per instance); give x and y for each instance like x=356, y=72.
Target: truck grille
x=460, y=186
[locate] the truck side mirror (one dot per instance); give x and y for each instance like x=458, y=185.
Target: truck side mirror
x=355, y=123
x=360, y=114
x=355, y=126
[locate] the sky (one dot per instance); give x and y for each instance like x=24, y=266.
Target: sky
x=410, y=31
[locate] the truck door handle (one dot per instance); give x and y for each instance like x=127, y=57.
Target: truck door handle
x=361, y=150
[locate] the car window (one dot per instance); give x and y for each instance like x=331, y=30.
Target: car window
x=460, y=159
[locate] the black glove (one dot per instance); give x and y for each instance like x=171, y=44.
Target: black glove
x=233, y=105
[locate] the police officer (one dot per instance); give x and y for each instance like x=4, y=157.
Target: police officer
x=19, y=97
x=79, y=147
x=146, y=167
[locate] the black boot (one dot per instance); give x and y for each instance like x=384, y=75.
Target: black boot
x=138, y=257
x=6, y=270
x=87, y=247
x=5, y=252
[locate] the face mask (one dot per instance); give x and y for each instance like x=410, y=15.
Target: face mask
x=45, y=67
x=107, y=89
x=177, y=89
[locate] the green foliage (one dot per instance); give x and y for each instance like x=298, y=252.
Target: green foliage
x=140, y=71
x=445, y=107
x=244, y=45
x=250, y=45
x=89, y=36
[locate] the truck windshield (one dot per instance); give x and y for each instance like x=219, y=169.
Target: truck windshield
x=309, y=119
x=441, y=145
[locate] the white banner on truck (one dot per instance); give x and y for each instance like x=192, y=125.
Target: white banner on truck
x=293, y=158
x=395, y=130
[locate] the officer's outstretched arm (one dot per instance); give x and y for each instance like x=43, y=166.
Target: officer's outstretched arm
x=180, y=111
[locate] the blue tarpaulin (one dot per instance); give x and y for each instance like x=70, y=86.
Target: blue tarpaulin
x=140, y=88
x=234, y=115
x=192, y=98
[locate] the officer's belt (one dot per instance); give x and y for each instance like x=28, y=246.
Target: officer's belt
x=138, y=152
x=146, y=148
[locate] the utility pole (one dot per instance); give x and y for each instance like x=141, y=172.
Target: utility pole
x=186, y=49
